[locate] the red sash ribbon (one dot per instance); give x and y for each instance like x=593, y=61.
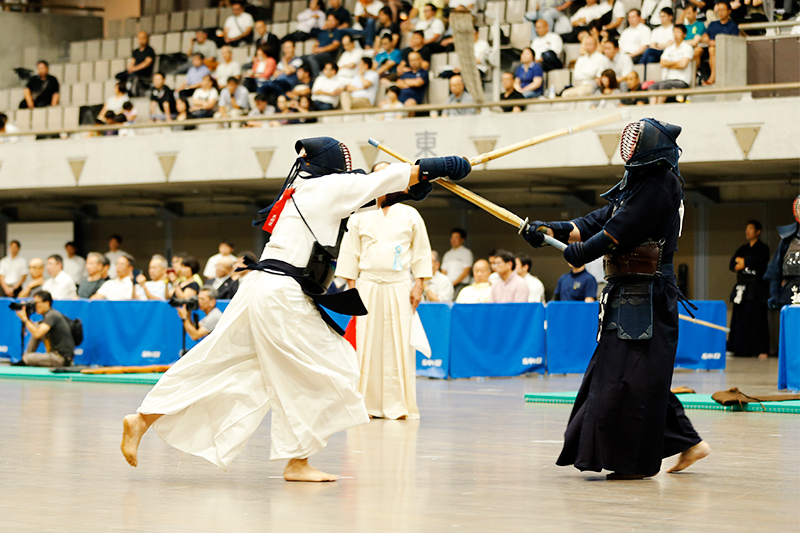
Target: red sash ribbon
x=275, y=212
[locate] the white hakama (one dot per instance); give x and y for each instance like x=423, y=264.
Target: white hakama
x=382, y=252
x=271, y=349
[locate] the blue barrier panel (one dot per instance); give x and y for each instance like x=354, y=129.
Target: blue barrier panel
x=571, y=336
x=496, y=340
x=10, y=330
x=435, y=319
x=789, y=349
x=701, y=347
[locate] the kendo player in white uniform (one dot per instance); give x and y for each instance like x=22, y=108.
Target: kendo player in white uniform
x=275, y=347
x=625, y=419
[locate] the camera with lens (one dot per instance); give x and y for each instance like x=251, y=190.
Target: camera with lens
x=29, y=307
x=191, y=303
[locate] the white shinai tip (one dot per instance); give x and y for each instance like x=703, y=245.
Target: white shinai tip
x=373, y=142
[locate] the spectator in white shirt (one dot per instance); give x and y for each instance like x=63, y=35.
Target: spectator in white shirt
x=114, y=104
x=621, y=64
x=238, y=28
x=588, y=69
x=676, y=67
x=262, y=109
x=651, y=10
x=617, y=15
x=457, y=261
x=636, y=37
x=584, y=16
x=227, y=67
x=523, y=265
x=225, y=249
x=156, y=288
x=547, y=47
x=348, y=61
x=309, y=20
x=60, y=285
x=13, y=271
x=74, y=265
x=121, y=287
x=327, y=88
x=114, y=253
x=480, y=291
x=7, y=127
x=438, y=288
x=363, y=88
x=431, y=26
x=551, y=11
x=204, y=100
x=366, y=13
x=660, y=39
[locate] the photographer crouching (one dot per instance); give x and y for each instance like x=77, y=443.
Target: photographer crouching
x=206, y=301
x=54, y=330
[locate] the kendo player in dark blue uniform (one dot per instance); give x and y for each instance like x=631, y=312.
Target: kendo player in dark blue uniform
x=783, y=272
x=625, y=419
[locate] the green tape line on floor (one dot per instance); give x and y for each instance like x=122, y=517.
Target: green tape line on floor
x=44, y=374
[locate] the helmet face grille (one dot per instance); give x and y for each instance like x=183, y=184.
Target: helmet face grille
x=348, y=160
x=630, y=140
x=796, y=208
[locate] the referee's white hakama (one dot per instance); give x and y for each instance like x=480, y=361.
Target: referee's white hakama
x=271, y=349
x=382, y=252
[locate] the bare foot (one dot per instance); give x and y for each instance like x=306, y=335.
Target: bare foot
x=619, y=477
x=690, y=456
x=133, y=427
x=300, y=470
x=763, y=356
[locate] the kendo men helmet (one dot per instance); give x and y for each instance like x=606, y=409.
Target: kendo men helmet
x=649, y=141
x=324, y=155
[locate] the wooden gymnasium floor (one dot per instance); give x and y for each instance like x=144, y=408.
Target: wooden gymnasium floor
x=481, y=459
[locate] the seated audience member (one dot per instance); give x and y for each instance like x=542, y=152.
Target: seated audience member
x=114, y=252
x=547, y=47
x=651, y=11
x=621, y=63
x=188, y=269
x=129, y=112
x=417, y=7
x=227, y=68
x=482, y=51
x=552, y=12
x=363, y=88
x=303, y=84
x=42, y=90
x=386, y=27
x=238, y=27
x=351, y=55
x=576, y=286
x=535, y=286
x=510, y=93
x=327, y=88
x=723, y=26
x=33, y=285
x=114, y=103
x=588, y=69
x=660, y=38
x=529, y=76
x=261, y=70
x=458, y=96
x=329, y=42
x=309, y=22
x=207, y=300
x=204, y=46
x=388, y=58
x=234, y=101
x=431, y=27
x=634, y=39
x=366, y=13
x=438, y=288
x=156, y=288
x=676, y=65
x=457, y=261
x=282, y=113
x=162, y=101
x=13, y=271
x=140, y=65
x=269, y=42
x=608, y=85
x=694, y=30
x=416, y=44
x=618, y=15
x=182, y=108
x=204, y=100
x=224, y=285
x=583, y=17
x=54, y=330
x=121, y=287
x=240, y=263
x=96, y=274
x=392, y=105
x=74, y=265
x=413, y=83
x=9, y=128
x=285, y=77
x=194, y=77
x=60, y=285
x=262, y=109
x=509, y=287
x=224, y=251
x=633, y=85
x=301, y=106
x=345, y=20
x=481, y=290
x=110, y=119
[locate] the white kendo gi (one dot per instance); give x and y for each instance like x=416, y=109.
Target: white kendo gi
x=271, y=348
x=382, y=252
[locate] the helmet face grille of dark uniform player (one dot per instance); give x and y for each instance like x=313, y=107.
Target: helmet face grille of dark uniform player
x=325, y=155
x=649, y=141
